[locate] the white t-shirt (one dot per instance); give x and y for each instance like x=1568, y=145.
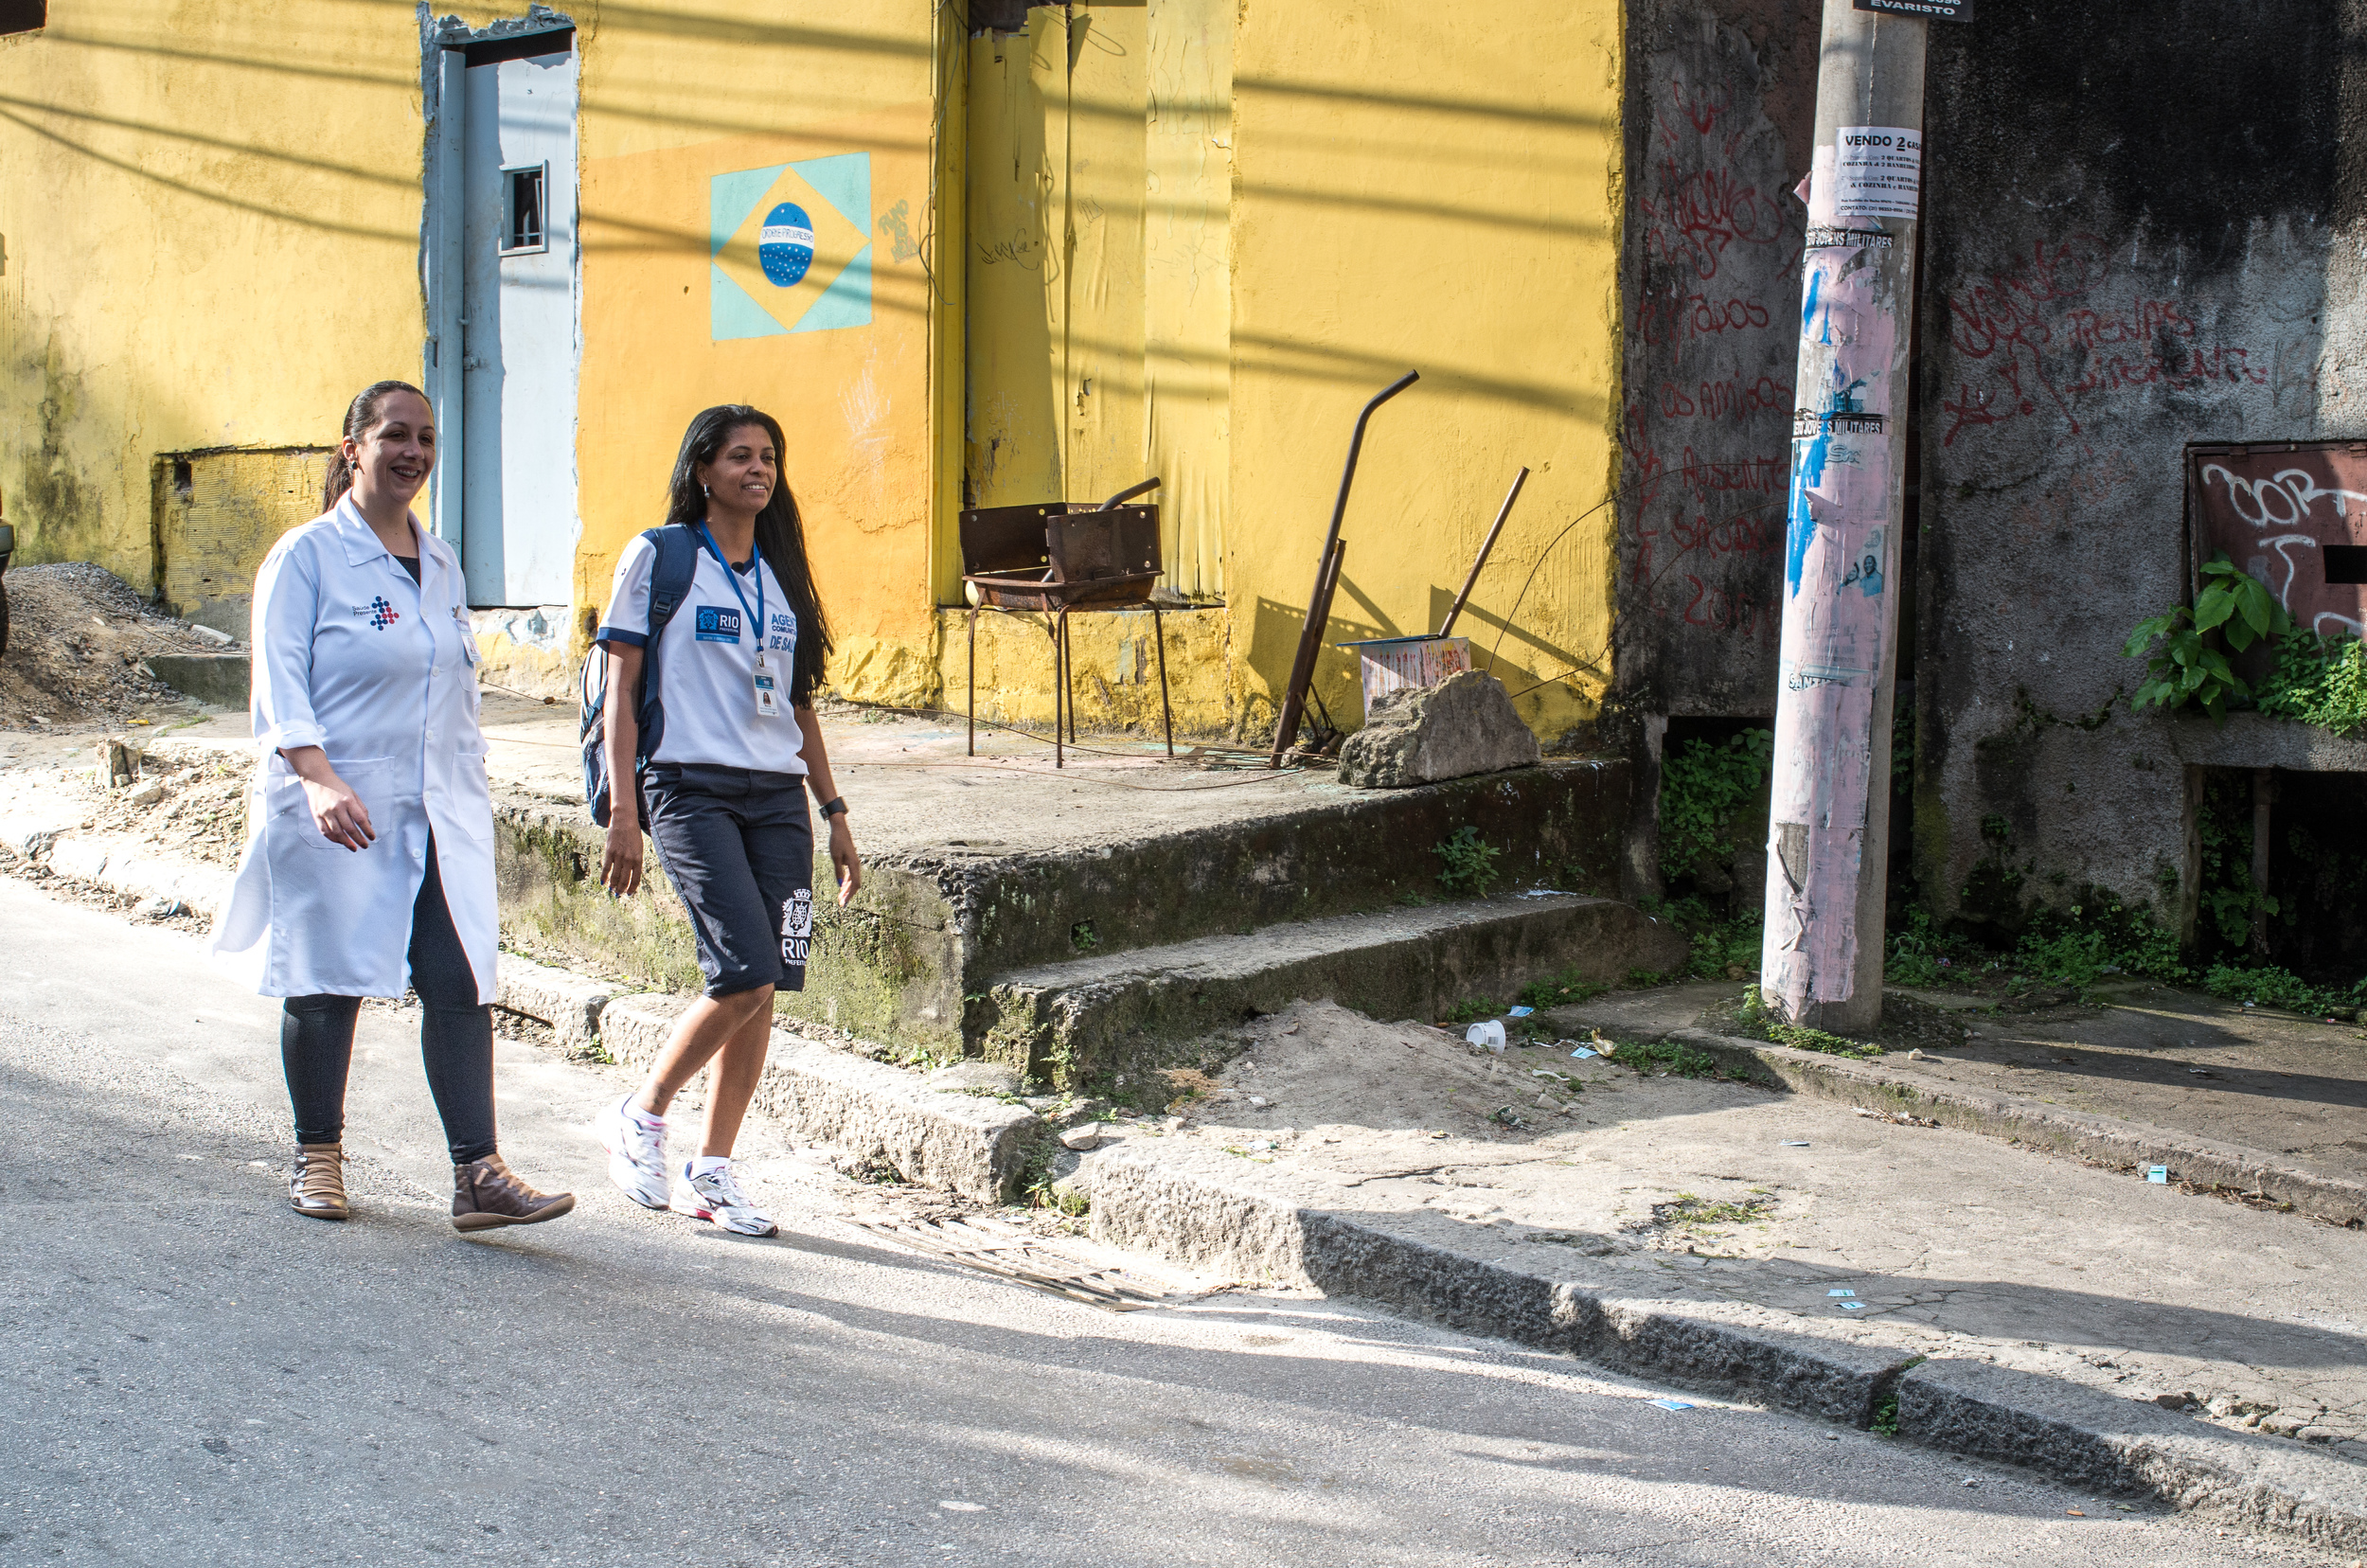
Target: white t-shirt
x=706, y=662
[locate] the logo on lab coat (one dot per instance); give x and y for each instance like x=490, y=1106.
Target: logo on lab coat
x=382, y=614
x=782, y=634
x=798, y=927
x=717, y=624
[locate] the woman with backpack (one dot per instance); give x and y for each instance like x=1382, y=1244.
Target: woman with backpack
x=714, y=644
x=369, y=853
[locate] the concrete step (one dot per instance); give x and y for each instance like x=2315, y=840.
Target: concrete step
x=1089, y=1022
x=961, y=895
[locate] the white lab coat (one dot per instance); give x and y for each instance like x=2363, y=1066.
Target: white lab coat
x=353, y=657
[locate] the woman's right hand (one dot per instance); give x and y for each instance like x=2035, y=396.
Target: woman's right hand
x=620, y=866
x=337, y=811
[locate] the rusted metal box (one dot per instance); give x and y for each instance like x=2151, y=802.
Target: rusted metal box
x=2293, y=514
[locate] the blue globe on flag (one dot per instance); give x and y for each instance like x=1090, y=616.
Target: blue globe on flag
x=785, y=249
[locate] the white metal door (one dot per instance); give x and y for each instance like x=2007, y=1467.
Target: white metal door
x=518, y=366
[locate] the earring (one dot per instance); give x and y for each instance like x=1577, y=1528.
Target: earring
x=704, y=490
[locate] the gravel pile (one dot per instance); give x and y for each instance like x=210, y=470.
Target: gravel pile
x=79, y=640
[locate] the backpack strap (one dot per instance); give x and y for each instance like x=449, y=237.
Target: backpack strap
x=669, y=579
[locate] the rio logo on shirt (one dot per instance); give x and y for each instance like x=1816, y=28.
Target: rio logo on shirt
x=717, y=624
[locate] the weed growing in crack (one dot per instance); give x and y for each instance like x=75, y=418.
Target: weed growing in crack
x=1470, y=864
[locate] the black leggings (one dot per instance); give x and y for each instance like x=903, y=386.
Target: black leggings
x=455, y=1037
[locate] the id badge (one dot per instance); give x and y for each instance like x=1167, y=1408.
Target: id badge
x=768, y=693
x=468, y=637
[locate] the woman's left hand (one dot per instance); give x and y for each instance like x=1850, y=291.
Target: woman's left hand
x=843, y=856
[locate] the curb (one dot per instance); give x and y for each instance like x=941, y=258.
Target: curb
x=2102, y=1140
x=1961, y=1406
x=875, y=1114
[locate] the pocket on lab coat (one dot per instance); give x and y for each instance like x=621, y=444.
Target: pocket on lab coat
x=471, y=794
x=370, y=778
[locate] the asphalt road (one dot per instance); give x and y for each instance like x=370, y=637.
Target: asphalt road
x=191, y=1374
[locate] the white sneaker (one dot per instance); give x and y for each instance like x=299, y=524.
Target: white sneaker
x=716, y=1195
x=636, y=1157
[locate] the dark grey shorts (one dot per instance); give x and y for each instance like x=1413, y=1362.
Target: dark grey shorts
x=739, y=848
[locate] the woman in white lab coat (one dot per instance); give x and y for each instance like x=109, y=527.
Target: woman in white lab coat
x=369, y=852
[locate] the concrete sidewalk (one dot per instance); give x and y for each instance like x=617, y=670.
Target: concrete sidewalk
x=1777, y=1244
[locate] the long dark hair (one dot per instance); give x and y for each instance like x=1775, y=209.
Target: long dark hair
x=362, y=417
x=780, y=533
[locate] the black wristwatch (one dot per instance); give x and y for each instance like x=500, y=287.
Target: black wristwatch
x=836, y=806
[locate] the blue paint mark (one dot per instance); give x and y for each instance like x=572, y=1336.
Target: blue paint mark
x=1807, y=307
x=1807, y=469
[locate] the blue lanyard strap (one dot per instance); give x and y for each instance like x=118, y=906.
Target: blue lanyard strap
x=733, y=578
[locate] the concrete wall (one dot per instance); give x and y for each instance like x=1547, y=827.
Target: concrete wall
x=1719, y=110
x=211, y=214
x=2140, y=231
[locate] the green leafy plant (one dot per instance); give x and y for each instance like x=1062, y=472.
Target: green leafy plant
x=1755, y=1018
x=2270, y=987
x=1704, y=788
x=1677, y=1060
x=1470, y=863
x=1471, y=1010
x=2097, y=936
x=1560, y=990
x=1923, y=955
x=2185, y=668
x=2224, y=825
x=2319, y=680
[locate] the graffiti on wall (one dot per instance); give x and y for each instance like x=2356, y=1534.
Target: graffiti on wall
x=1709, y=373
x=2057, y=335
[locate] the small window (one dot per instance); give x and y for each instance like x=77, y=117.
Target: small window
x=2346, y=564
x=18, y=16
x=523, y=209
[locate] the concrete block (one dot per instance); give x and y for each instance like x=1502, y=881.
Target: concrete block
x=221, y=679
x=570, y=1004
x=1425, y=735
x=2091, y=1439
x=635, y=1028
x=876, y=1115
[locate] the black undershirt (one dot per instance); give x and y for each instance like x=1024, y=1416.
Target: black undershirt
x=410, y=564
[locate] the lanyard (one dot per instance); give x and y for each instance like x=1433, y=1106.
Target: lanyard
x=733, y=578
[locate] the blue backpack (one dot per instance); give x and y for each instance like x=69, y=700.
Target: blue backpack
x=669, y=584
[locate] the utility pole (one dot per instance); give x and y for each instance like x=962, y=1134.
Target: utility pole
x=1828, y=829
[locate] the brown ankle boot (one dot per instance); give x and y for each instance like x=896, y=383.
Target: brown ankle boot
x=486, y=1193
x=316, y=1183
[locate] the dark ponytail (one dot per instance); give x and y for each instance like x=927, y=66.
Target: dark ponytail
x=780, y=535
x=360, y=418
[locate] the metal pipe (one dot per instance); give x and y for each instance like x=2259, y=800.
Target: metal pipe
x=1311, y=635
x=1128, y=494
x=1486, y=548
x=1166, y=714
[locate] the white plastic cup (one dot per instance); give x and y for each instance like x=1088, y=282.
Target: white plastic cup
x=1490, y=1034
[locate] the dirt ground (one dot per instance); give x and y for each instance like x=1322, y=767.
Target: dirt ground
x=1814, y=1217
x=77, y=636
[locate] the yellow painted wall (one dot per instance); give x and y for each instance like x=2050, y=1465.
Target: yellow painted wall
x=1196, y=235
x=1202, y=234
x=211, y=219
x=672, y=98
x=1425, y=188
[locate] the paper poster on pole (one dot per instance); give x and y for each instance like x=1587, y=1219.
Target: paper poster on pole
x=1878, y=172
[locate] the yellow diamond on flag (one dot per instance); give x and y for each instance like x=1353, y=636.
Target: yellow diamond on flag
x=836, y=242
